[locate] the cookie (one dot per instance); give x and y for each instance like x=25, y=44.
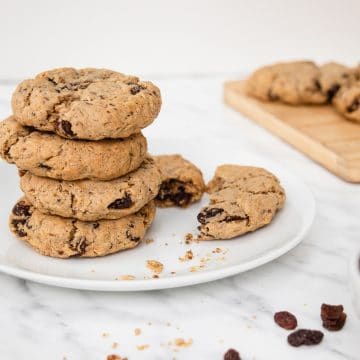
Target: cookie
x=242, y=199
x=90, y=200
x=292, y=83
x=63, y=238
x=347, y=101
x=88, y=104
x=49, y=155
x=182, y=182
x=333, y=76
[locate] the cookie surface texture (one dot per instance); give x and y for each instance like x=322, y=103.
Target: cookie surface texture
x=90, y=104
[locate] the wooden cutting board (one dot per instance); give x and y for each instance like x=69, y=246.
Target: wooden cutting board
x=317, y=131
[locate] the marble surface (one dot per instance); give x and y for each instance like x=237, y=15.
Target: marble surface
x=41, y=322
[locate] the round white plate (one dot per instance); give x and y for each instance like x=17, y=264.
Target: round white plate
x=169, y=228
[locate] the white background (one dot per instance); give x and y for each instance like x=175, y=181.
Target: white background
x=162, y=36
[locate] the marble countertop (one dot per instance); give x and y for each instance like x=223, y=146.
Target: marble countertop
x=42, y=322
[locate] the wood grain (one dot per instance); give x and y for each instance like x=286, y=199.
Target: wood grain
x=318, y=131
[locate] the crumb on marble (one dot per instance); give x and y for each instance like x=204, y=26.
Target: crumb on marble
x=114, y=345
x=149, y=241
x=105, y=334
x=155, y=266
x=142, y=347
x=155, y=276
x=137, y=331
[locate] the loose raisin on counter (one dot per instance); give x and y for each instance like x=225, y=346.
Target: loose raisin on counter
x=285, y=320
x=232, y=354
x=305, y=337
x=333, y=317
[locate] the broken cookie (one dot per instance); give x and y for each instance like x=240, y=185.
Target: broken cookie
x=182, y=182
x=242, y=199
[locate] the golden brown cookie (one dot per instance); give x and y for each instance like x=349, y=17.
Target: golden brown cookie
x=63, y=238
x=182, y=182
x=333, y=76
x=242, y=199
x=90, y=200
x=49, y=155
x=292, y=83
x=347, y=101
x=88, y=104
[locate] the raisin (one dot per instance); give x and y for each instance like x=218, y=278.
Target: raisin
x=136, y=89
x=16, y=223
x=354, y=106
x=122, y=203
x=332, y=92
x=317, y=85
x=78, y=245
x=231, y=218
x=285, y=320
x=272, y=96
x=22, y=173
x=174, y=190
x=232, y=354
x=333, y=317
x=305, y=337
x=21, y=209
x=52, y=81
x=65, y=127
x=95, y=225
x=132, y=237
x=44, y=166
x=207, y=213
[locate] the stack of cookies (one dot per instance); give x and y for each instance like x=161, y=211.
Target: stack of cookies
x=89, y=183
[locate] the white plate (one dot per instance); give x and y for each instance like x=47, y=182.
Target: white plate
x=241, y=254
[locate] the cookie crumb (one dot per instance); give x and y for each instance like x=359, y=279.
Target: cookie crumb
x=188, y=238
x=105, y=334
x=137, y=331
x=142, y=347
x=126, y=277
x=155, y=266
x=187, y=257
x=149, y=241
x=155, y=276
x=180, y=342
x=114, y=345
x=113, y=357
x=197, y=268
x=217, y=250
x=173, y=273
